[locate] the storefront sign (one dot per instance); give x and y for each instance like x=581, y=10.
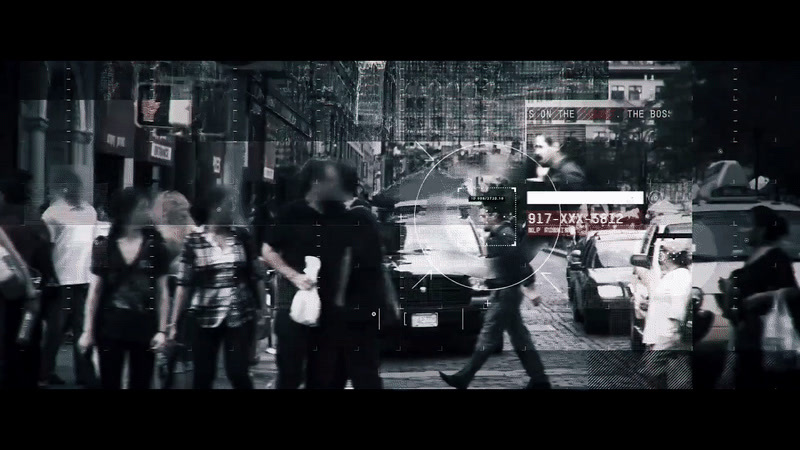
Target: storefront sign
x=159, y=151
x=155, y=148
x=115, y=127
x=269, y=161
x=217, y=164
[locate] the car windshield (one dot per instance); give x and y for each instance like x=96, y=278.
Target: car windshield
x=615, y=253
x=721, y=235
x=453, y=238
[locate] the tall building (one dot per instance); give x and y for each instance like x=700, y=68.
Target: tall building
x=474, y=102
x=335, y=96
x=369, y=108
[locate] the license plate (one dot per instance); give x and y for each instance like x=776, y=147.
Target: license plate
x=430, y=320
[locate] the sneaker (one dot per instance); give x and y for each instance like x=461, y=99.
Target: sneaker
x=271, y=351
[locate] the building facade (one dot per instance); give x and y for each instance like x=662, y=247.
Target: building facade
x=474, y=102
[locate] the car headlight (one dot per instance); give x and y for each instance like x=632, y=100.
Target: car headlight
x=478, y=284
x=697, y=297
x=610, y=291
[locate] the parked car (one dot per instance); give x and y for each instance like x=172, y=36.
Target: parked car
x=440, y=273
x=598, y=274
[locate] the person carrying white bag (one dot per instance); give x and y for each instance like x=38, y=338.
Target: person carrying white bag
x=306, y=305
x=780, y=339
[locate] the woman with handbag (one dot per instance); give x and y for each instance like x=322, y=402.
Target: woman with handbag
x=768, y=268
x=126, y=309
x=780, y=342
x=25, y=265
x=667, y=357
x=217, y=275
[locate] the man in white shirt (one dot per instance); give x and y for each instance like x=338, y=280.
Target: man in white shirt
x=666, y=313
x=72, y=223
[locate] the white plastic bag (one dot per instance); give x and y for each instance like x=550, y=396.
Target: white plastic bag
x=306, y=304
x=780, y=340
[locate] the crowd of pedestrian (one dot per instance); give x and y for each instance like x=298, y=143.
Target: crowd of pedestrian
x=173, y=283
x=170, y=283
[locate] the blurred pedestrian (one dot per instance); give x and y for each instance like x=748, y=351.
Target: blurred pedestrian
x=216, y=275
x=305, y=227
x=26, y=266
x=264, y=218
x=514, y=281
x=171, y=213
x=348, y=345
x=564, y=173
x=71, y=221
x=768, y=268
x=127, y=304
x=667, y=360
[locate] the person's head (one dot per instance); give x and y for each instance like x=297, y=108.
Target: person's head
x=68, y=185
x=320, y=180
x=675, y=254
x=349, y=178
x=172, y=208
x=220, y=207
x=129, y=207
x=546, y=151
x=768, y=226
x=496, y=212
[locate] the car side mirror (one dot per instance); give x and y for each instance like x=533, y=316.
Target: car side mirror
x=640, y=261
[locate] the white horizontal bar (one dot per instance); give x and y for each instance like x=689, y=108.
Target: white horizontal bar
x=586, y=198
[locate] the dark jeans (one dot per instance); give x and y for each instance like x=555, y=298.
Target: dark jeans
x=295, y=348
x=504, y=315
x=62, y=313
x=347, y=350
x=141, y=361
x=205, y=348
x=20, y=363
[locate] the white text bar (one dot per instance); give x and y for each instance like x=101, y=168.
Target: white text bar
x=586, y=198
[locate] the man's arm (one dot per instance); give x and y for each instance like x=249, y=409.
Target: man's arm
x=274, y=260
x=344, y=277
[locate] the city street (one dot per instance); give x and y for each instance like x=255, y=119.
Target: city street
x=573, y=359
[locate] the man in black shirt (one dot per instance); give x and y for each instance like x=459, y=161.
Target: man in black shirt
x=306, y=227
x=349, y=341
x=513, y=281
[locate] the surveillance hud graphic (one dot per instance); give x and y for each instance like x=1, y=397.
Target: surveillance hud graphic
x=399, y=225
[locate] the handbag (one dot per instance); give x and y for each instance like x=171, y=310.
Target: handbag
x=780, y=341
x=12, y=281
x=306, y=305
